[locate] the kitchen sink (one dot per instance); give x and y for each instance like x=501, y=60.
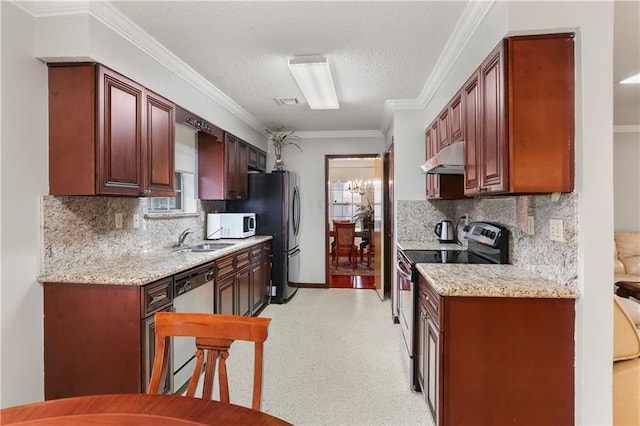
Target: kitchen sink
x=209, y=247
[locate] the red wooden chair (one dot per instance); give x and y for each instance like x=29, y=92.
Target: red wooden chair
x=345, y=245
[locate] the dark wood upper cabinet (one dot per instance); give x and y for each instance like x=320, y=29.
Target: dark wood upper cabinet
x=441, y=186
x=108, y=135
x=522, y=137
x=222, y=167
x=456, y=118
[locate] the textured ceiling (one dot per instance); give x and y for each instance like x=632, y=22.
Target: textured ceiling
x=378, y=51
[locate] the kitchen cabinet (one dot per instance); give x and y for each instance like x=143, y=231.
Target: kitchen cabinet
x=519, y=118
x=232, y=288
x=222, y=167
x=260, y=276
x=257, y=159
x=242, y=281
x=495, y=360
x=441, y=186
x=99, y=338
x=108, y=135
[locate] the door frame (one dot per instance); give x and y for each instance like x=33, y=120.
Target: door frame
x=327, y=160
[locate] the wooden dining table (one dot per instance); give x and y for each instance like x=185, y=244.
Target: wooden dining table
x=134, y=409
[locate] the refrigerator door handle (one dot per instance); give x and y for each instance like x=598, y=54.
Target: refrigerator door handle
x=294, y=253
x=296, y=210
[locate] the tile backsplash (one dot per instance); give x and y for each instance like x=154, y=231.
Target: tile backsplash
x=81, y=229
x=551, y=259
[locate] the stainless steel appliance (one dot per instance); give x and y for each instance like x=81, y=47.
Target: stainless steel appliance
x=275, y=199
x=193, y=293
x=230, y=225
x=487, y=243
x=445, y=231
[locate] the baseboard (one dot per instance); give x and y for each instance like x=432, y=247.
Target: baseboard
x=309, y=285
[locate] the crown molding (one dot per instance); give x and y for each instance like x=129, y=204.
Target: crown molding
x=469, y=21
x=340, y=134
x=127, y=29
x=633, y=128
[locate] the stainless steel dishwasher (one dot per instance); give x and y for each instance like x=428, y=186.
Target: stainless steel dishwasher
x=193, y=293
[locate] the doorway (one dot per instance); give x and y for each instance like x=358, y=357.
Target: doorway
x=353, y=197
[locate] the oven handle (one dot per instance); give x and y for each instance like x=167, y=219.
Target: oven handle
x=403, y=272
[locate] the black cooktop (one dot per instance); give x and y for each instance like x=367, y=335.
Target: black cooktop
x=487, y=243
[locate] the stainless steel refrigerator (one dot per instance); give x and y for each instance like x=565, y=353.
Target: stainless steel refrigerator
x=275, y=199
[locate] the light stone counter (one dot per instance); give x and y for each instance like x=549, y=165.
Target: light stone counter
x=430, y=245
x=142, y=268
x=491, y=281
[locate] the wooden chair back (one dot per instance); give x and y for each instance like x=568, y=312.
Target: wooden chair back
x=213, y=335
x=345, y=239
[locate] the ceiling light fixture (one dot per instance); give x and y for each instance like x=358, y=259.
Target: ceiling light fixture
x=313, y=75
x=634, y=79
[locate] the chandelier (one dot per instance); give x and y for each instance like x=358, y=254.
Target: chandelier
x=359, y=186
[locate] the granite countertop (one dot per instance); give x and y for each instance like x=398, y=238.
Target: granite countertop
x=453, y=279
x=430, y=245
x=143, y=268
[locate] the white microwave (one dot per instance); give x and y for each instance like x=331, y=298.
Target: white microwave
x=230, y=225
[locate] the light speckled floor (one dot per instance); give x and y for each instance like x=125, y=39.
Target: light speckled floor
x=333, y=357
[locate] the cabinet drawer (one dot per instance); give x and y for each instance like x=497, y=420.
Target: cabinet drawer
x=156, y=296
x=242, y=259
x=224, y=266
x=256, y=252
x=431, y=300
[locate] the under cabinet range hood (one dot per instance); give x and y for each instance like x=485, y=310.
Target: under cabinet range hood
x=448, y=161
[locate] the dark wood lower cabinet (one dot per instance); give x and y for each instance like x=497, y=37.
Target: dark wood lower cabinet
x=496, y=360
x=100, y=339
x=96, y=336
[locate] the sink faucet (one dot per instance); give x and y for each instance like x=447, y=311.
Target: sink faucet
x=183, y=236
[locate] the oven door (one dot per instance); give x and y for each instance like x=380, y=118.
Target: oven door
x=405, y=301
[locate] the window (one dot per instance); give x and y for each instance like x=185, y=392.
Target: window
x=184, y=200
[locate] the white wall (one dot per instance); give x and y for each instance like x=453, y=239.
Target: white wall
x=626, y=181
x=309, y=165
x=24, y=168
x=409, y=153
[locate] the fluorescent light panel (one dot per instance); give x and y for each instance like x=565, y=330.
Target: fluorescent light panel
x=634, y=79
x=313, y=75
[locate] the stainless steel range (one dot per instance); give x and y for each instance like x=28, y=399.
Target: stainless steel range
x=487, y=243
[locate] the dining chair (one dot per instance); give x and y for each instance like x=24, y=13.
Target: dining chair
x=345, y=235
x=214, y=334
x=367, y=242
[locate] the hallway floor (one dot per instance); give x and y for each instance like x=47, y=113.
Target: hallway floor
x=333, y=357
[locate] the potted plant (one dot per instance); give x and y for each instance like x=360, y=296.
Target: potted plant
x=280, y=139
x=364, y=214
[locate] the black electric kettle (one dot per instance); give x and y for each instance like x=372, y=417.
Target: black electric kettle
x=444, y=231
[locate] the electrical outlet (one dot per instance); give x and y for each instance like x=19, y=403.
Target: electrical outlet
x=555, y=230
x=531, y=229
x=273, y=290
x=136, y=220
x=118, y=220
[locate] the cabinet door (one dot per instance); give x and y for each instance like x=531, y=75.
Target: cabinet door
x=243, y=286
x=435, y=147
x=225, y=295
x=443, y=128
x=456, y=118
x=262, y=161
x=421, y=346
x=471, y=104
x=120, y=135
x=149, y=351
x=432, y=366
x=428, y=140
x=231, y=167
x=493, y=149
x=211, y=168
x=160, y=146
x=242, y=168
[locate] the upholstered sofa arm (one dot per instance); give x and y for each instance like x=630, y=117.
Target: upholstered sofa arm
x=626, y=338
x=628, y=251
